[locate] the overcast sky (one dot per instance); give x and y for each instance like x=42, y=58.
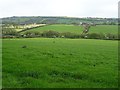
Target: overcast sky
x=71, y=8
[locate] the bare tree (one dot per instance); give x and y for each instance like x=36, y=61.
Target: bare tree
x=86, y=28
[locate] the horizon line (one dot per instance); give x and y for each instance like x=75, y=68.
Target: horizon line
x=60, y=16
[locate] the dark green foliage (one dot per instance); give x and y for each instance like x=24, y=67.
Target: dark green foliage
x=50, y=34
x=9, y=31
x=30, y=34
x=94, y=36
x=70, y=35
x=111, y=36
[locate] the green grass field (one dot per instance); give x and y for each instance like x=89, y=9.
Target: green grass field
x=113, y=29
x=60, y=63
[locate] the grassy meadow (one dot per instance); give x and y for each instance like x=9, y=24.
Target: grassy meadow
x=105, y=29
x=60, y=63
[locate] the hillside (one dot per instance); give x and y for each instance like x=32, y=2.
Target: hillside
x=57, y=20
x=77, y=29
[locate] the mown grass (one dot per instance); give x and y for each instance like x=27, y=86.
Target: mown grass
x=59, y=63
x=113, y=29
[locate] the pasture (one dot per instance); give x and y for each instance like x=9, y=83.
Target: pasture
x=105, y=29
x=60, y=63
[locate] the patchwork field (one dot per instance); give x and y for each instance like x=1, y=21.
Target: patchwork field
x=113, y=29
x=60, y=63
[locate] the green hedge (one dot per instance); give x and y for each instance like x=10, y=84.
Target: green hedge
x=55, y=34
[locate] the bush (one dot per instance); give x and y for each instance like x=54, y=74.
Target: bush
x=103, y=36
x=69, y=35
x=111, y=36
x=118, y=37
x=30, y=34
x=50, y=34
x=9, y=31
x=94, y=36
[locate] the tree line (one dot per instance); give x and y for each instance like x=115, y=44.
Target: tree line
x=12, y=33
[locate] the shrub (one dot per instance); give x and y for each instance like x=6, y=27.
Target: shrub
x=70, y=35
x=9, y=31
x=31, y=34
x=94, y=36
x=111, y=36
x=118, y=37
x=102, y=36
x=50, y=34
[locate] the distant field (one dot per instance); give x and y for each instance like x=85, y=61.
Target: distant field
x=78, y=29
x=70, y=63
x=22, y=27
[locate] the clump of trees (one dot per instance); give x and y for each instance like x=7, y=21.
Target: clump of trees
x=50, y=34
x=9, y=33
x=69, y=35
x=30, y=34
